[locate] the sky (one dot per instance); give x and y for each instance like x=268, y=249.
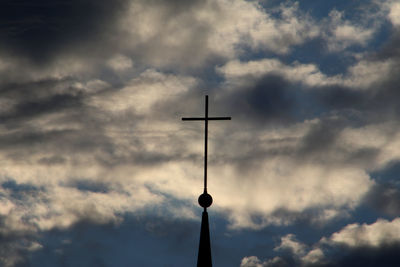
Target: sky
x=97, y=168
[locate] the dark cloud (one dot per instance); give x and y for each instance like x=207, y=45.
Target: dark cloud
x=46, y=106
x=385, y=198
x=365, y=157
x=52, y=160
x=379, y=101
x=339, y=97
x=360, y=106
x=311, y=216
x=340, y=256
x=42, y=29
x=177, y=6
x=134, y=242
x=25, y=143
x=321, y=136
x=385, y=255
x=21, y=191
x=61, y=143
x=30, y=89
x=32, y=100
x=390, y=49
x=30, y=130
x=14, y=246
x=269, y=99
x=90, y=186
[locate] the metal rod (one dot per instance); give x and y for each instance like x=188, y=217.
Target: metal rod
x=205, y=144
x=219, y=118
x=210, y=119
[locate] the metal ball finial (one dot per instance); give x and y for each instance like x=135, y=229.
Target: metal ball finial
x=205, y=200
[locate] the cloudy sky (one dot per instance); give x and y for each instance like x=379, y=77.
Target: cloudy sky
x=97, y=168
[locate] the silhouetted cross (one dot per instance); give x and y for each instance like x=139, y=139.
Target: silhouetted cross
x=206, y=119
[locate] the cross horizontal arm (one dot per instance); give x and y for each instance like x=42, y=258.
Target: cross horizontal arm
x=209, y=119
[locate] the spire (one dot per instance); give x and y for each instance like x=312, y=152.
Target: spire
x=204, y=256
x=205, y=199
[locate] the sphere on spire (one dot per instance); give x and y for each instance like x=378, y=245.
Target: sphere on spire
x=205, y=200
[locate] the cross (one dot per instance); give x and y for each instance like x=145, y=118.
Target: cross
x=205, y=200
x=206, y=119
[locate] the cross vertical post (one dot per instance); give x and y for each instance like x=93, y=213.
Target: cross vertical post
x=205, y=143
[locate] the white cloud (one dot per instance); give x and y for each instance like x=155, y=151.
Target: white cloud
x=120, y=63
x=152, y=33
x=246, y=23
x=57, y=202
x=367, y=74
x=363, y=75
x=314, y=256
x=274, y=183
x=54, y=205
x=251, y=261
x=289, y=242
x=379, y=234
x=143, y=92
x=222, y=28
x=6, y=206
x=278, y=181
x=341, y=33
x=381, y=136
x=238, y=72
x=382, y=232
x=394, y=13
x=305, y=187
x=88, y=87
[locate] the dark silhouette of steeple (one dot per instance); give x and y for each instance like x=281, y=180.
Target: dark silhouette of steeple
x=204, y=255
x=205, y=199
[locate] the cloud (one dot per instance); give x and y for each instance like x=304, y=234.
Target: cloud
x=288, y=153
x=91, y=109
x=344, y=33
x=355, y=243
x=382, y=232
x=363, y=75
x=218, y=28
x=308, y=74
x=385, y=198
x=269, y=98
x=289, y=242
x=273, y=155
x=61, y=40
x=136, y=239
x=394, y=13
x=351, y=129
x=258, y=29
x=43, y=29
x=120, y=63
x=93, y=151
x=59, y=164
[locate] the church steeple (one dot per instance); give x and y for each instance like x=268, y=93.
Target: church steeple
x=204, y=255
x=205, y=199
